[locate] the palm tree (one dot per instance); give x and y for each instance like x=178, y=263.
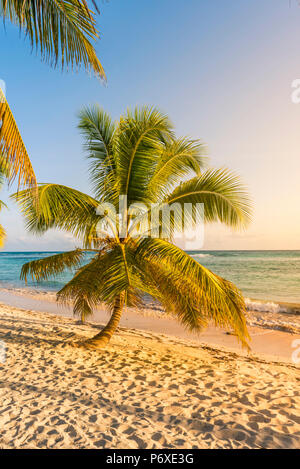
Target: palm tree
x=140, y=158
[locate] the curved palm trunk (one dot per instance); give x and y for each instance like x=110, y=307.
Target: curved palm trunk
x=103, y=337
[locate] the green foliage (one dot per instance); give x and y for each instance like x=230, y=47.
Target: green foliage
x=15, y=162
x=179, y=158
x=189, y=291
x=44, y=269
x=62, y=30
x=137, y=150
x=224, y=197
x=98, y=131
x=57, y=206
x=140, y=157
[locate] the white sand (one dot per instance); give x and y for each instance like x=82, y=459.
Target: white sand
x=269, y=335
x=145, y=390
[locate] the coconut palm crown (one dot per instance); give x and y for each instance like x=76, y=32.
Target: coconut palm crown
x=140, y=159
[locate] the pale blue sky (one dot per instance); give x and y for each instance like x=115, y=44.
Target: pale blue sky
x=221, y=69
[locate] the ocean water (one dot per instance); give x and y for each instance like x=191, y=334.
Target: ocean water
x=263, y=276
x=272, y=276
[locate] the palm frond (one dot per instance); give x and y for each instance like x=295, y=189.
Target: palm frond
x=179, y=159
x=59, y=207
x=137, y=146
x=2, y=205
x=194, y=294
x=224, y=197
x=106, y=277
x=98, y=130
x=4, y=170
x=12, y=149
x=2, y=235
x=43, y=269
x=60, y=29
x=82, y=308
x=4, y=173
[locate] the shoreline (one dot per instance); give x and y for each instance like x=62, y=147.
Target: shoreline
x=265, y=305
x=270, y=338
x=262, y=313
x=144, y=390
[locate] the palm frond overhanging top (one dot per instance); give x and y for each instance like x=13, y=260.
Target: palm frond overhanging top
x=12, y=148
x=139, y=158
x=62, y=30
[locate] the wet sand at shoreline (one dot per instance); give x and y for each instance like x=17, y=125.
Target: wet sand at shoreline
x=269, y=336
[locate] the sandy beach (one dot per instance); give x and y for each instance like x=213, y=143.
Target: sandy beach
x=149, y=232
x=145, y=390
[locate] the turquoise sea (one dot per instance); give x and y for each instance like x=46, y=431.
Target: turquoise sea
x=272, y=276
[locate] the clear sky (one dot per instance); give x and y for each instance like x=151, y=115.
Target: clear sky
x=221, y=69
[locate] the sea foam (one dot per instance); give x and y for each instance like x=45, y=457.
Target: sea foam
x=268, y=307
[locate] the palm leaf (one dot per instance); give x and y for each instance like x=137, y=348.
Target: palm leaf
x=105, y=278
x=138, y=146
x=60, y=29
x=224, y=197
x=59, y=207
x=179, y=159
x=43, y=269
x=140, y=158
x=12, y=149
x=2, y=235
x=4, y=173
x=98, y=130
x=82, y=308
x=194, y=294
